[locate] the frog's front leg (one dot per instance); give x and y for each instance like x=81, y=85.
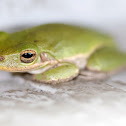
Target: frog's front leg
x=61, y=73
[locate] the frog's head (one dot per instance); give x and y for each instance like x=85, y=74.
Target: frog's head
x=20, y=55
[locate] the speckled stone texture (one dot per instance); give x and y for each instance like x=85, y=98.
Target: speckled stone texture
x=73, y=103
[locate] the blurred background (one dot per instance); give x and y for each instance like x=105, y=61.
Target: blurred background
x=32, y=12
x=24, y=103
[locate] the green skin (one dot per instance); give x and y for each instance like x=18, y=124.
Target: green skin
x=58, y=47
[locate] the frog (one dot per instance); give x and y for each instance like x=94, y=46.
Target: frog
x=57, y=52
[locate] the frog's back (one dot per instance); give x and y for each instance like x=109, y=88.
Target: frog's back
x=66, y=40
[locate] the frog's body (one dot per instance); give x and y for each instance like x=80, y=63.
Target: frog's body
x=57, y=52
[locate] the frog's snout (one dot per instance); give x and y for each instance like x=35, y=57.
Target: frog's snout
x=2, y=58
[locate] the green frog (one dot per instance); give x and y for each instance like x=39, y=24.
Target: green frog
x=55, y=53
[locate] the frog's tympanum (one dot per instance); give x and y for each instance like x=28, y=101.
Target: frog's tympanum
x=55, y=53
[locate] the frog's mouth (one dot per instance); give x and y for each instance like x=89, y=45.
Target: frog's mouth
x=20, y=69
x=34, y=69
x=11, y=66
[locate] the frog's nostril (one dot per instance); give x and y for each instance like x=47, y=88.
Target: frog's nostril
x=2, y=58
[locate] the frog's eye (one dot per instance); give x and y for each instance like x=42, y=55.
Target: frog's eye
x=27, y=56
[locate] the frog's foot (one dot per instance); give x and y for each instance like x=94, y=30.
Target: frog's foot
x=61, y=73
x=93, y=75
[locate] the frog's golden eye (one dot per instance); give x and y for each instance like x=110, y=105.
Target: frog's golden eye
x=27, y=56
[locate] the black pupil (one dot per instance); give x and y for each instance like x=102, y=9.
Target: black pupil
x=27, y=55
